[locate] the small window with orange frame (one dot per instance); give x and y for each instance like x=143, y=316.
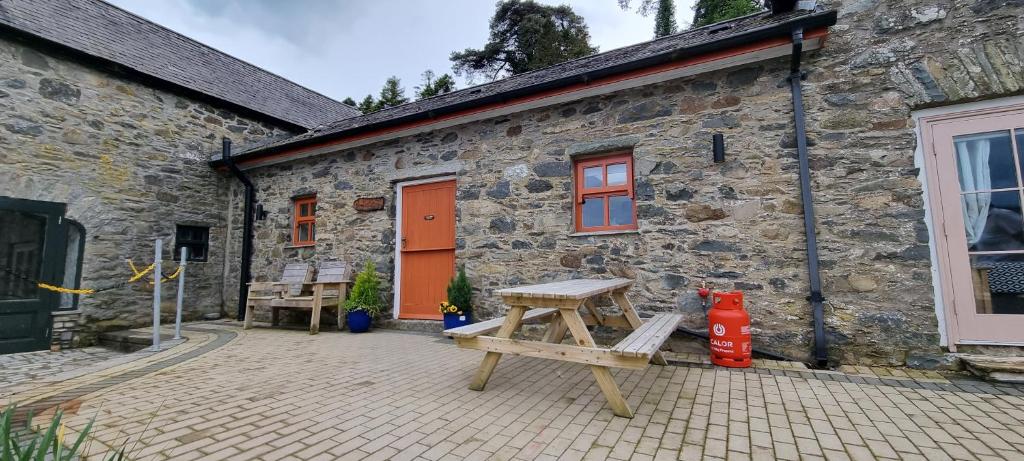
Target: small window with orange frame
x=304, y=221
x=604, y=193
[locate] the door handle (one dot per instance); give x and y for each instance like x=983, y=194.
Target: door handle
x=403, y=242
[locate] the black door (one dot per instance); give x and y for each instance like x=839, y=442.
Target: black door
x=32, y=247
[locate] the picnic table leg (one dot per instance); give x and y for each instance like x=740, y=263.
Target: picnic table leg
x=634, y=321
x=602, y=374
x=318, y=303
x=512, y=321
x=556, y=329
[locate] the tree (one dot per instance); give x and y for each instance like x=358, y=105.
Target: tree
x=365, y=295
x=392, y=94
x=460, y=291
x=664, y=18
x=711, y=11
x=434, y=86
x=349, y=102
x=367, y=105
x=525, y=36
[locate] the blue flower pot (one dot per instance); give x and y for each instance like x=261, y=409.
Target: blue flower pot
x=358, y=321
x=456, y=320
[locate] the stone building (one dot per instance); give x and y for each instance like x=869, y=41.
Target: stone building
x=511, y=161
x=604, y=166
x=107, y=120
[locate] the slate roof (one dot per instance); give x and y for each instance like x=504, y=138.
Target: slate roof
x=689, y=43
x=104, y=31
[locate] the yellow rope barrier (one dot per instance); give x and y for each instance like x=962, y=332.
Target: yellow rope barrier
x=83, y=291
x=137, y=274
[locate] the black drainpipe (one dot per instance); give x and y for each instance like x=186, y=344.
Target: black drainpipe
x=817, y=300
x=245, y=274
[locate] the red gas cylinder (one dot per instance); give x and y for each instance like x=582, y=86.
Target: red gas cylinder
x=729, y=330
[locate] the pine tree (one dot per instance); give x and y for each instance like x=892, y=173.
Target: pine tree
x=368, y=105
x=711, y=11
x=460, y=291
x=349, y=102
x=365, y=295
x=434, y=86
x=525, y=36
x=665, y=19
x=392, y=94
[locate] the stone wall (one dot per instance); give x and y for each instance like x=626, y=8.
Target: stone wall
x=130, y=161
x=737, y=225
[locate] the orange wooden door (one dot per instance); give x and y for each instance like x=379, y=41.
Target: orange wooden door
x=428, y=248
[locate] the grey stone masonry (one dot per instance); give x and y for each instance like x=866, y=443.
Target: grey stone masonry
x=737, y=224
x=130, y=163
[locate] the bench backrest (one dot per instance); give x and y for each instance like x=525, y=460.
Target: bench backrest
x=334, y=272
x=297, y=273
x=294, y=275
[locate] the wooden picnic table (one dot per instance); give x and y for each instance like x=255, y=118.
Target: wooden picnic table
x=560, y=304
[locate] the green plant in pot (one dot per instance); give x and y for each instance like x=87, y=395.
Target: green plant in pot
x=458, y=309
x=364, y=301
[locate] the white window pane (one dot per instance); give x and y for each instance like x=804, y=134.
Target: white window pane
x=593, y=212
x=617, y=174
x=997, y=288
x=593, y=177
x=993, y=221
x=620, y=210
x=985, y=161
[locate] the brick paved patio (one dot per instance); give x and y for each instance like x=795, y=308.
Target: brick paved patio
x=274, y=394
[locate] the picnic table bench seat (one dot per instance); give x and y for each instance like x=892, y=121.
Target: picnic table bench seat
x=645, y=341
x=489, y=326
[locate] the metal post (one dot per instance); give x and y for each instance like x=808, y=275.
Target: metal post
x=181, y=292
x=157, y=274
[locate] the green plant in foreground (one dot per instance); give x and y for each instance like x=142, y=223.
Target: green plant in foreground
x=460, y=292
x=29, y=445
x=365, y=294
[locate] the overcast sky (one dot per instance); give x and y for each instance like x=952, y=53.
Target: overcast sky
x=349, y=47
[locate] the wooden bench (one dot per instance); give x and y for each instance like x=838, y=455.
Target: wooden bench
x=329, y=289
x=263, y=294
x=645, y=341
x=489, y=326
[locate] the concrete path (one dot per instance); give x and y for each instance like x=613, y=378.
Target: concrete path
x=275, y=394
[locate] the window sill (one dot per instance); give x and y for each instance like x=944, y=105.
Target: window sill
x=599, y=233
x=304, y=245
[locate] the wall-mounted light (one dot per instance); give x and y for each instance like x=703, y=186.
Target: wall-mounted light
x=718, y=147
x=260, y=214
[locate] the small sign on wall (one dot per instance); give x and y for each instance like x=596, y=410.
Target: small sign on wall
x=369, y=204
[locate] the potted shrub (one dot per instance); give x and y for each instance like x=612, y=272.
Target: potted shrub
x=364, y=300
x=458, y=309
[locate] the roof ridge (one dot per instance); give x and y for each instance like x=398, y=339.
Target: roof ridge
x=211, y=47
x=526, y=74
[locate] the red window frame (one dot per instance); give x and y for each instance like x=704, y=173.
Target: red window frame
x=605, y=191
x=298, y=218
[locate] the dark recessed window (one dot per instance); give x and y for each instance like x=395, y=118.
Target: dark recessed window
x=195, y=238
